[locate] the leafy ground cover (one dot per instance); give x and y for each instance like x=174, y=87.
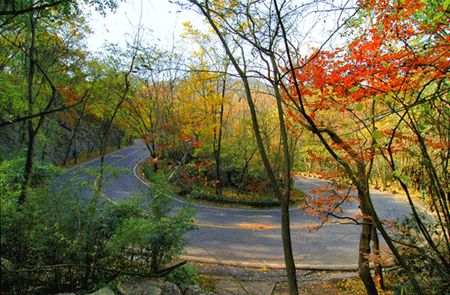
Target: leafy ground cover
x=234, y=280
x=188, y=185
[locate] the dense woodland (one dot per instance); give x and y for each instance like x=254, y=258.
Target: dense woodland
x=252, y=103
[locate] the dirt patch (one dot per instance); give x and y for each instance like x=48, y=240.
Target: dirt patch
x=221, y=279
x=238, y=280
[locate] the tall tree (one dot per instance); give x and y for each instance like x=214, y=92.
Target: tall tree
x=213, y=64
x=151, y=112
x=46, y=35
x=117, y=77
x=381, y=66
x=44, y=87
x=203, y=98
x=229, y=19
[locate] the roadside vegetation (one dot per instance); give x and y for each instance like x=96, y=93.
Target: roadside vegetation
x=198, y=186
x=61, y=241
x=228, y=116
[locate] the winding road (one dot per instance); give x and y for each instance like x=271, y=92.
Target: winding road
x=247, y=237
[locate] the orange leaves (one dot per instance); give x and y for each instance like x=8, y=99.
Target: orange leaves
x=291, y=115
x=68, y=94
x=393, y=54
x=69, y=116
x=328, y=202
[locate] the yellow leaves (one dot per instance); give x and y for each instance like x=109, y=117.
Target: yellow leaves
x=50, y=39
x=225, y=6
x=201, y=102
x=204, y=89
x=189, y=31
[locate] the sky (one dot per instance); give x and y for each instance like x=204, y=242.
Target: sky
x=163, y=21
x=160, y=19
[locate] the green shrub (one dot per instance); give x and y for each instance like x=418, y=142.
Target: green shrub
x=148, y=170
x=421, y=258
x=60, y=241
x=198, y=194
x=51, y=241
x=231, y=176
x=156, y=238
x=183, y=276
x=11, y=174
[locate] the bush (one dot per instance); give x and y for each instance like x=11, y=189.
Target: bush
x=11, y=174
x=183, y=276
x=198, y=194
x=421, y=258
x=156, y=238
x=148, y=170
x=231, y=176
x=185, y=178
x=59, y=241
x=52, y=242
x=197, y=180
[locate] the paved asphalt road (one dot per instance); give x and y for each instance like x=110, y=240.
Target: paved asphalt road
x=253, y=236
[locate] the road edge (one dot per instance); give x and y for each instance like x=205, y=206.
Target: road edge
x=246, y=264
x=269, y=265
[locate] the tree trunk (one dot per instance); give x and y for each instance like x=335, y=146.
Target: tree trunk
x=31, y=132
x=28, y=164
x=244, y=171
x=155, y=164
x=103, y=148
x=363, y=260
x=285, y=197
x=152, y=150
x=378, y=270
x=364, y=246
x=44, y=148
x=73, y=138
x=387, y=238
x=217, y=151
x=287, y=247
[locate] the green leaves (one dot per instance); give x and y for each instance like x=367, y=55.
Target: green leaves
x=354, y=89
x=156, y=237
x=63, y=228
x=376, y=134
x=446, y=5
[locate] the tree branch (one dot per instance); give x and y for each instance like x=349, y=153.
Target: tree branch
x=30, y=8
x=4, y=123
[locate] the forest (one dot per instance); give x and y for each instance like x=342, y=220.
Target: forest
x=353, y=92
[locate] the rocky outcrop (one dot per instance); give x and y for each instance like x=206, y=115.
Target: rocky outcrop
x=195, y=290
x=148, y=287
x=59, y=141
x=156, y=287
x=103, y=291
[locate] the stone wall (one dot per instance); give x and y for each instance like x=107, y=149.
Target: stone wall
x=56, y=141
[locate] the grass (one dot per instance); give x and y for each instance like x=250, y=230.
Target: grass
x=230, y=196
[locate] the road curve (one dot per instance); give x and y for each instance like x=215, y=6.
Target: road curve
x=252, y=237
